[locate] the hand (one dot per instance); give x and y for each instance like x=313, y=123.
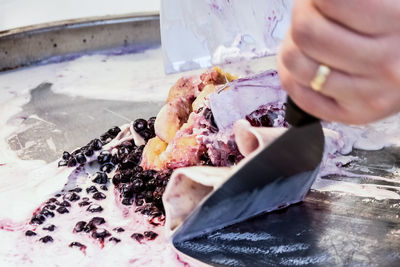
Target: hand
x=359, y=40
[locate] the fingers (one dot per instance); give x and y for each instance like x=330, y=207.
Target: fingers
x=369, y=17
x=330, y=43
x=338, y=85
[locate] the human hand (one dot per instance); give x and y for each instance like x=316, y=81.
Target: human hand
x=359, y=40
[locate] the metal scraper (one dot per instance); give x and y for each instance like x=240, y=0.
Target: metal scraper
x=278, y=176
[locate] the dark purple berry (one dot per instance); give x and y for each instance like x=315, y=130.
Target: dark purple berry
x=126, y=176
x=50, y=207
x=106, y=138
x=114, y=131
x=266, y=121
x=57, y=195
x=108, y=167
x=89, y=152
x=126, y=190
x=104, y=157
x=97, y=220
x=77, y=244
x=137, y=185
x=91, y=189
x=104, y=187
x=100, y=234
x=139, y=125
x=123, y=152
x=116, y=180
x=99, y=196
x=38, y=219
x=46, y=239
x=96, y=144
x=114, y=159
x=76, y=151
x=85, y=199
x=66, y=155
x=150, y=123
x=51, y=200
x=119, y=229
x=84, y=203
x=30, y=233
x=80, y=158
x=137, y=236
x=114, y=239
x=89, y=227
x=151, y=184
x=72, y=196
x=139, y=202
x=64, y=204
x=137, y=169
x=126, y=201
x=71, y=162
x=79, y=226
x=62, y=163
x=146, y=134
x=100, y=178
x=62, y=210
x=150, y=235
x=76, y=190
x=148, y=196
x=47, y=213
x=50, y=227
x=95, y=208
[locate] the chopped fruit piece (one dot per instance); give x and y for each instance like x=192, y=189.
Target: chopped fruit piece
x=71, y=162
x=185, y=87
x=64, y=204
x=104, y=157
x=72, y=196
x=114, y=131
x=66, y=155
x=199, y=102
x=47, y=213
x=100, y=178
x=151, y=154
x=100, y=234
x=62, y=210
x=30, y=233
x=80, y=158
x=77, y=244
x=91, y=189
x=50, y=227
x=96, y=144
x=46, y=239
x=114, y=239
x=84, y=203
x=38, y=219
x=119, y=229
x=97, y=220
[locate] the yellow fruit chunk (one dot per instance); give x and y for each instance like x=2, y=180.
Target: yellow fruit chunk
x=199, y=102
x=226, y=75
x=151, y=154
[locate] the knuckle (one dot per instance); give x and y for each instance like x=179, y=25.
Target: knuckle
x=302, y=31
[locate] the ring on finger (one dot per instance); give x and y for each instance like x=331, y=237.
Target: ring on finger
x=320, y=77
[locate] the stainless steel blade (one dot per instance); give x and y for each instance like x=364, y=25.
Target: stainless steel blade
x=280, y=175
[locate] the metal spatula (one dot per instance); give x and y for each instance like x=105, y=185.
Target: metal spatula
x=278, y=176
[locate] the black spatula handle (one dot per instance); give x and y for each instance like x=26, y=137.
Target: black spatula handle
x=296, y=116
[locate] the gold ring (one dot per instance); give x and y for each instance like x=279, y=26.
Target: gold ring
x=320, y=77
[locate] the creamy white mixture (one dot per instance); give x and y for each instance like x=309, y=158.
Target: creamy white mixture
x=24, y=184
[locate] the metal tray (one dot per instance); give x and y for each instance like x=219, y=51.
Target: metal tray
x=327, y=229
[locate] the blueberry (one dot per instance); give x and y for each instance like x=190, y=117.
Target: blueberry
x=50, y=207
x=99, y=196
x=100, y=178
x=146, y=134
x=80, y=158
x=106, y=138
x=114, y=159
x=104, y=157
x=108, y=167
x=104, y=187
x=126, y=190
x=150, y=123
x=46, y=239
x=66, y=155
x=49, y=227
x=138, y=169
x=123, y=152
x=114, y=239
x=137, y=236
x=150, y=235
x=126, y=176
x=97, y=220
x=62, y=163
x=137, y=185
x=114, y=131
x=91, y=189
x=116, y=179
x=76, y=151
x=84, y=203
x=85, y=199
x=79, y=226
x=77, y=244
x=51, y=200
x=89, y=227
x=95, y=208
x=139, y=125
x=64, y=204
x=139, y=202
x=76, y=190
x=72, y=196
x=151, y=184
x=119, y=229
x=96, y=144
x=30, y=233
x=89, y=152
x=62, y=210
x=100, y=234
x=38, y=219
x=266, y=121
x=47, y=213
x=148, y=196
x=126, y=201
x=71, y=162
